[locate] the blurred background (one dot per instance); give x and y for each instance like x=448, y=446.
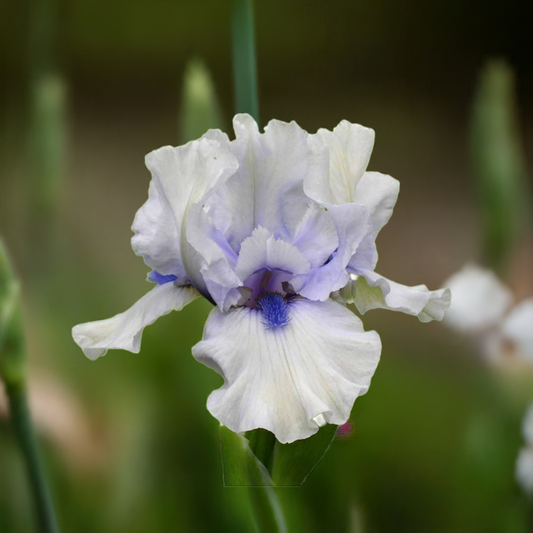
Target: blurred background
x=86, y=90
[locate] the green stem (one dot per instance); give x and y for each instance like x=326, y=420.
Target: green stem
x=262, y=443
x=267, y=510
x=21, y=419
x=244, y=62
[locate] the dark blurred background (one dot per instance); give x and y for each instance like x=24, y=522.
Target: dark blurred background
x=128, y=440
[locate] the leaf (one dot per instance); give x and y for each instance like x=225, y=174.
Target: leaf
x=240, y=467
x=279, y=464
x=291, y=464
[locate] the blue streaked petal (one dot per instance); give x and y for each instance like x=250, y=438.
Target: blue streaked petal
x=351, y=222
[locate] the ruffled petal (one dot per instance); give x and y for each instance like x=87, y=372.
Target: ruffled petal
x=215, y=260
x=272, y=167
x=349, y=147
x=479, y=299
x=281, y=379
x=124, y=331
x=156, y=236
x=263, y=251
x=378, y=193
x=518, y=327
x=184, y=177
x=316, y=235
x=371, y=291
x=351, y=222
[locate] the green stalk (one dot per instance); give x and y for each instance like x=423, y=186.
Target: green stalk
x=267, y=510
x=12, y=373
x=244, y=62
x=21, y=419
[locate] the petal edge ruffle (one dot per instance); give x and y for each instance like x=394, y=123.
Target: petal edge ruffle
x=124, y=331
x=281, y=379
x=371, y=291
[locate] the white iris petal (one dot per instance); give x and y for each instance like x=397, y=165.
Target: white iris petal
x=262, y=250
x=187, y=175
x=282, y=379
x=349, y=147
x=124, y=331
x=518, y=327
x=480, y=299
x=372, y=291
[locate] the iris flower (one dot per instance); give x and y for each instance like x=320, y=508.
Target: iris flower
x=485, y=310
x=277, y=230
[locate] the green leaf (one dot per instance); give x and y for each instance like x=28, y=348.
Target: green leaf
x=498, y=162
x=291, y=464
x=260, y=460
x=240, y=467
x=199, y=109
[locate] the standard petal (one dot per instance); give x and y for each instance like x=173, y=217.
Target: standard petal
x=124, y=331
x=349, y=147
x=215, y=260
x=518, y=327
x=263, y=251
x=156, y=236
x=378, y=193
x=369, y=290
x=281, y=379
x=316, y=235
x=351, y=222
x=184, y=177
x=272, y=167
x=479, y=299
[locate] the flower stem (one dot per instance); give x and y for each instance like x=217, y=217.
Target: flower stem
x=244, y=62
x=12, y=373
x=21, y=419
x=267, y=510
